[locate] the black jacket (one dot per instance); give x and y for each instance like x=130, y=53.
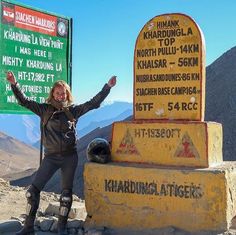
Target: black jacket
x=59, y=137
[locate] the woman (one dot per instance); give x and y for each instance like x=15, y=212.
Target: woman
x=59, y=117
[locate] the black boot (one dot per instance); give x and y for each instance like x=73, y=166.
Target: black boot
x=33, y=196
x=61, y=226
x=28, y=228
x=65, y=205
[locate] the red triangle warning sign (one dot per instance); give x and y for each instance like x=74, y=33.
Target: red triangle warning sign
x=186, y=148
x=127, y=145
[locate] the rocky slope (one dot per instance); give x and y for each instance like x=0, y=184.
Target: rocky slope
x=13, y=207
x=221, y=99
x=16, y=156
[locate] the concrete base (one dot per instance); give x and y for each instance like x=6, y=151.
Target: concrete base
x=141, y=197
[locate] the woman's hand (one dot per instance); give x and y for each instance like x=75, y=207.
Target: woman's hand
x=112, y=81
x=11, y=78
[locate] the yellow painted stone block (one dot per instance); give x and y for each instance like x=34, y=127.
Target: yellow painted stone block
x=195, y=144
x=140, y=197
x=169, y=69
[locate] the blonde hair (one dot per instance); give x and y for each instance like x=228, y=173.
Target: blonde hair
x=68, y=91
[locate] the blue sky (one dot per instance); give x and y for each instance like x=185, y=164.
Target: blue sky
x=105, y=31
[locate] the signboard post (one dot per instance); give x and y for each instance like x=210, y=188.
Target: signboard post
x=36, y=47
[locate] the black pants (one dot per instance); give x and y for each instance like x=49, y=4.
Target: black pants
x=51, y=164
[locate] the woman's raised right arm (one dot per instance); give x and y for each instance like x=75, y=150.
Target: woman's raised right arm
x=22, y=99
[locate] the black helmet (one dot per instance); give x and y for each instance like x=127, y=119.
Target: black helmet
x=98, y=150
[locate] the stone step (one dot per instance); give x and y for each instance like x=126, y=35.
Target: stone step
x=194, y=144
x=138, y=196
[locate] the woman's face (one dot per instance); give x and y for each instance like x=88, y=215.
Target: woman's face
x=59, y=94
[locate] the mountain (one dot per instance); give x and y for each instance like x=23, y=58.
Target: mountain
x=105, y=112
x=95, y=124
x=16, y=156
x=26, y=127
x=221, y=99
x=22, y=127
